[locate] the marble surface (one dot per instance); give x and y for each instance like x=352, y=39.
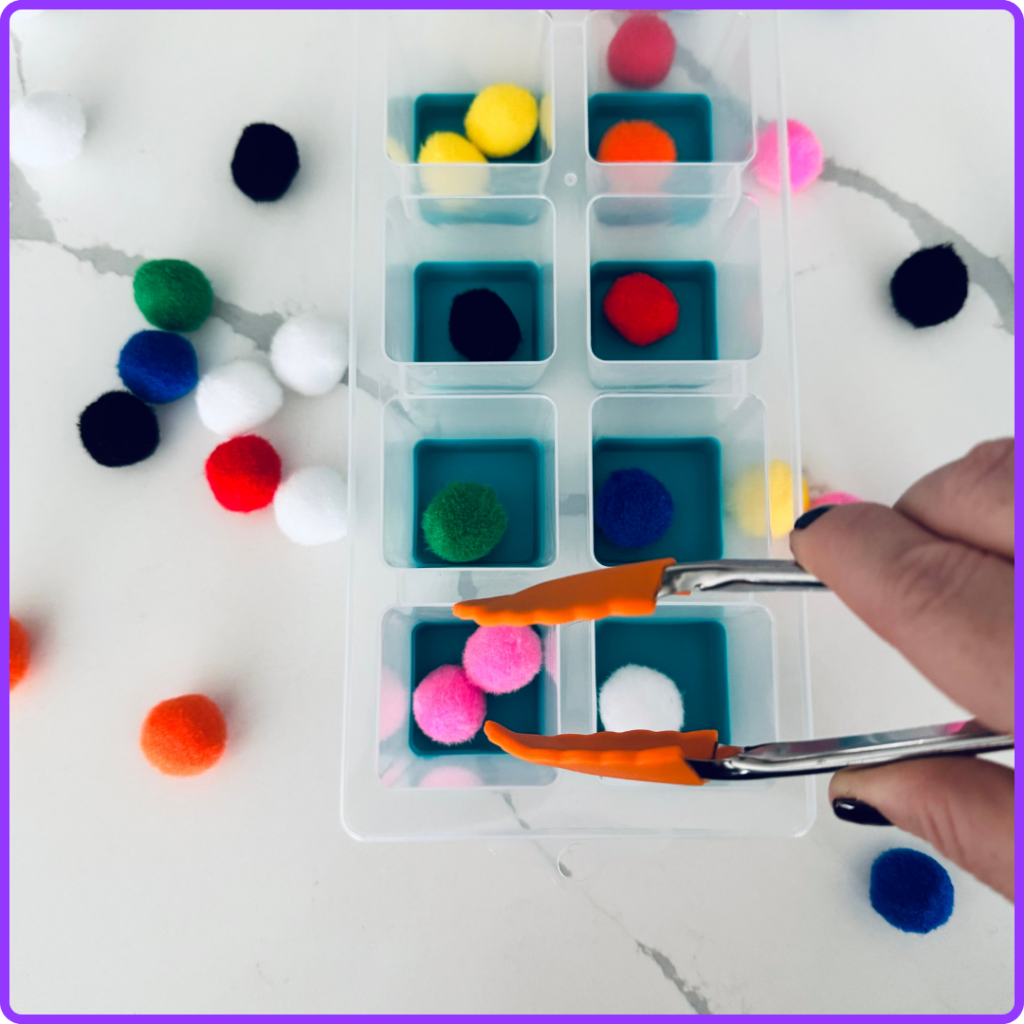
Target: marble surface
x=241, y=892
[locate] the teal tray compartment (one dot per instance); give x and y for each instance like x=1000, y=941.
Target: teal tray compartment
x=685, y=116
x=693, y=285
x=446, y=112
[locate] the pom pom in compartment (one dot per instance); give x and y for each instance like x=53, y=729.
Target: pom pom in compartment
x=641, y=51
x=911, y=890
x=482, y=327
x=501, y=120
x=265, y=163
x=806, y=157
x=641, y=308
x=449, y=148
x=309, y=354
x=47, y=130
x=311, y=506
x=236, y=397
x=633, y=508
x=636, y=142
x=158, y=366
x=184, y=735
x=448, y=707
x=172, y=294
x=119, y=429
x=637, y=697
x=502, y=659
x=747, y=499
x=244, y=473
x=930, y=287
x=464, y=522
x=20, y=652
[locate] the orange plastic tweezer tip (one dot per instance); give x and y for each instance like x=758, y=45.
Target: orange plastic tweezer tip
x=620, y=590
x=641, y=756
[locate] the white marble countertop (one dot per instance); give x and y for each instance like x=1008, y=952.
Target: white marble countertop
x=241, y=892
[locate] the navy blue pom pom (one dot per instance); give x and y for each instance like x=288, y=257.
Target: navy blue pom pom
x=119, y=429
x=911, y=890
x=633, y=508
x=158, y=366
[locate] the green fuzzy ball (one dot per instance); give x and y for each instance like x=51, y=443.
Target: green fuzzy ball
x=173, y=295
x=464, y=522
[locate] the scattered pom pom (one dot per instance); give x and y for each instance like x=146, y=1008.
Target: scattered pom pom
x=310, y=354
x=502, y=659
x=641, y=51
x=806, y=157
x=158, y=366
x=448, y=707
x=449, y=148
x=265, y=163
x=119, y=429
x=911, y=890
x=641, y=308
x=311, y=506
x=243, y=473
x=636, y=142
x=184, y=735
x=633, y=508
x=235, y=398
x=172, y=294
x=836, y=498
x=930, y=287
x=464, y=522
x=20, y=650
x=47, y=130
x=501, y=120
x=636, y=697
x=482, y=327
x=747, y=499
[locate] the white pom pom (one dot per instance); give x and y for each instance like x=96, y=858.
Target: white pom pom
x=311, y=506
x=47, y=129
x=636, y=697
x=237, y=397
x=310, y=354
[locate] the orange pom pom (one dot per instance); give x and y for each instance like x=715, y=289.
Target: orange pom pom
x=636, y=142
x=184, y=735
x=19, y=652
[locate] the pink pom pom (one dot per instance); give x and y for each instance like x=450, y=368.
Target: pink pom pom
x=450, y=777
x=836, y=498
x=448, y=707
x=806, y=158
x=500, y=659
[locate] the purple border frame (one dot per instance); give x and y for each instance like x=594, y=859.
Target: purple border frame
x=5, y=904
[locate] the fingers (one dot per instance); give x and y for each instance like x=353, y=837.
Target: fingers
x=970, y=500
x=946, y=606
x=961, y=805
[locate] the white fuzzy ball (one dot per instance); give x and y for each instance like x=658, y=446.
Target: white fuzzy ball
x=311, y=506
x=636, y=697
x=47, y=129
x=237, y=397
x=310, y=354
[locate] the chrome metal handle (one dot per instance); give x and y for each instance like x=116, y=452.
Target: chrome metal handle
x=736, y=574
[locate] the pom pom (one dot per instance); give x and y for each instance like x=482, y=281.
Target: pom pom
x=311, y=506
x=836, y=498
x=641, y=309
x=47, y=129
x=641, y=51
x=449, y=148
x=464, y=522
x=243, y=473
x=806, y=158
x=911, y=890
x=636, y=697
x=158, y=366
x=172, y=294
x=930, y=287
x=448, y=707
x=118, y=429
x=233, y=399
x=747, y=499
x=184, y=735
x=20, y=651
x=501, y=120
x=309, y=354
x=633, y=508
x=482, y=327
x=630, y=142
x=450, y=776
x=266, y=161
x=502, y=659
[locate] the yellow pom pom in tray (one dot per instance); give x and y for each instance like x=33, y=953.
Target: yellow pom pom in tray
x=747, y=499
x=502, y=120
x=451, y=148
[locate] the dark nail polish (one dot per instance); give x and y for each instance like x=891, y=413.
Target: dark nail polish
x=849, y=808
x=808, y=517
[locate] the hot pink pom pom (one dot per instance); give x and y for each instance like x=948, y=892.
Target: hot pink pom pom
x=836, y=498
x=448, y=707
x=500, y=659
x=806, y=159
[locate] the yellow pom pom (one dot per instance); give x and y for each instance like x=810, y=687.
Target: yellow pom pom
x=747, y=501
x=449, y=148
x=502, y=120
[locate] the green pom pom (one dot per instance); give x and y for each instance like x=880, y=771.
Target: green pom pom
x=172, y=294
x=464, y=522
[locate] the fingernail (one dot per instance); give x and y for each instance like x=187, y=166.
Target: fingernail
x=808, y=517
x=849, y=808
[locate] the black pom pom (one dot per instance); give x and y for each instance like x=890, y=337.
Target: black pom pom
x=265, y=162
x=119, y=429
x=930, y=287
x=482, y=327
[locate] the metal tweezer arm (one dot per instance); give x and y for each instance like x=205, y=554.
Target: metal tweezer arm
x=736, y=574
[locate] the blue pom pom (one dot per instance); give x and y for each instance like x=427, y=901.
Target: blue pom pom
x=911, y=890
x=158, y=366
x=633, y=508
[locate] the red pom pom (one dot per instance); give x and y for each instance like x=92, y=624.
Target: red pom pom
x=642, y=51
x=244, y=473
x=641, y=309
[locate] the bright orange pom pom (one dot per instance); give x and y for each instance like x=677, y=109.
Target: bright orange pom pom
x=19, y=652
x=636, y=142
x=184, y=735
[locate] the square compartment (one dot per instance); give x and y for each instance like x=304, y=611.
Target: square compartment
x=686, y=117
x=504, y=441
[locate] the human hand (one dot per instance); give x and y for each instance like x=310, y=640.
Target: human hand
x=934, y=577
